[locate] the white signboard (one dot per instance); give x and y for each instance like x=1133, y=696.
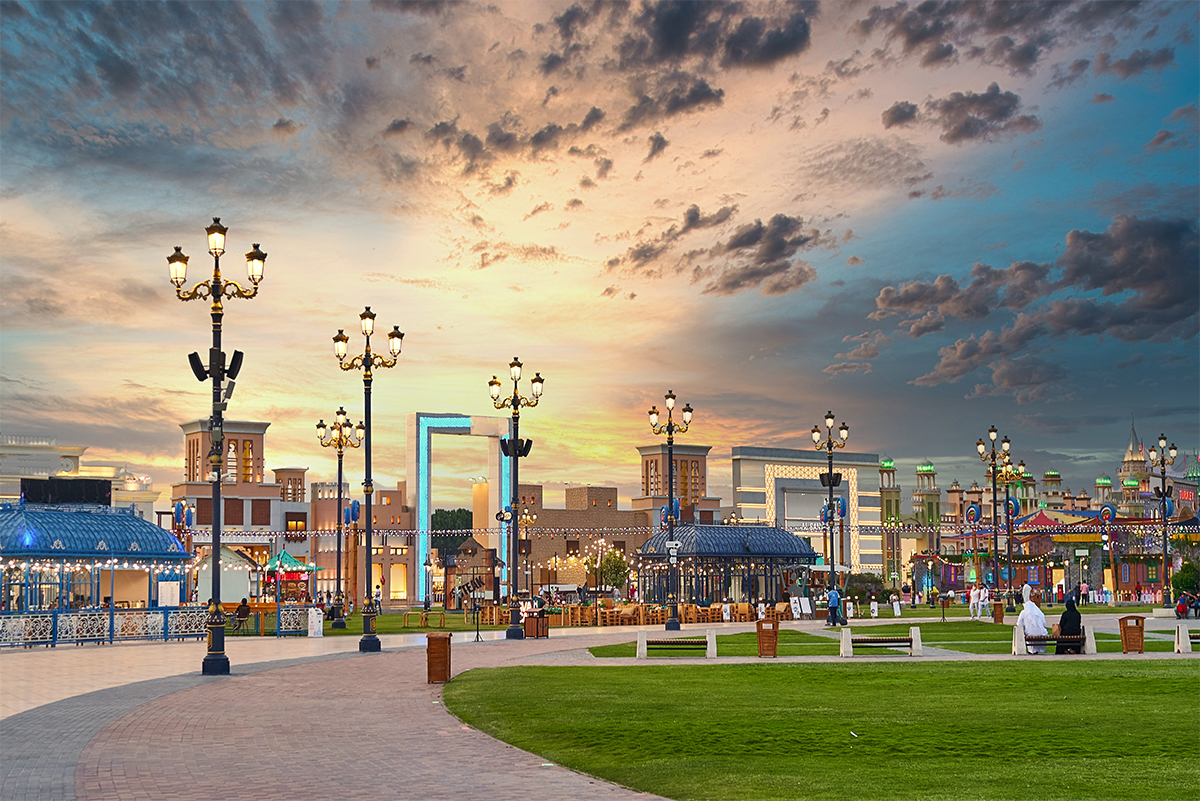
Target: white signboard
x=806, y=605
x=795, y=607
x=315, y=623
x=674, y=544
x=168, y=593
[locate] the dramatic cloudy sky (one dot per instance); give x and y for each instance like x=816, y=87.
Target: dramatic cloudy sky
x=927, y=217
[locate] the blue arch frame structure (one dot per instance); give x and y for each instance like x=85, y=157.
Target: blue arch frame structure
x=421, y=426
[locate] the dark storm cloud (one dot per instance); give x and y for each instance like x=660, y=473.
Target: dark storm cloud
x=1075, y=71
x=677, y=93
x=937, y=54
x=1153, y=260
x=1013, y=35
x=658, y=143
x=285, y=128
x=1136, y=63
x=964, y=116
x=646, y=252
x=672, y=31
x=899, y=113
x=425, y=7
x=591, y=119
x=763, y=256
x=397, y=127
x=1149, y=266
x=753, y=44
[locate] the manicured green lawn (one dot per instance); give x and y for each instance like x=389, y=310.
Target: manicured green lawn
x=870, y=730
x=393, y=624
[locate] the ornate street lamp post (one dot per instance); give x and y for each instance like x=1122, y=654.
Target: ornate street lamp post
x=342, y=435
x=670, y=429
x=828, y=446
x=1158, y=458
x=1010, y=474
x=525, y=521
x=366, y=362
x=216, y=662
x=514, y=448
x=992, y=457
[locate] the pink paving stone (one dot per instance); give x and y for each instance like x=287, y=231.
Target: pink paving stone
x=272, y=734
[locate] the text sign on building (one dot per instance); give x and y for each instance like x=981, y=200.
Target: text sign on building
x=1082, y=552
x=672, y=544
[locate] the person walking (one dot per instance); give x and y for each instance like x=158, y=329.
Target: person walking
x=834, y=599
x=973, y=601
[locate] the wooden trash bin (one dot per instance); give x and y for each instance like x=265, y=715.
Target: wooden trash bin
x=437, y=655
x=1133, y=634
x=537, y=626
x=768, y=638
x=998, y=612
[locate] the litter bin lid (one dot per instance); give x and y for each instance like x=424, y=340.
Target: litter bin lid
x=439, y=635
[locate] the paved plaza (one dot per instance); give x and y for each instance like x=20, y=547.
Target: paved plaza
x=303, y=717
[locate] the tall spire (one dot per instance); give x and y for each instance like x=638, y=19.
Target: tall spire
x=1135, y=451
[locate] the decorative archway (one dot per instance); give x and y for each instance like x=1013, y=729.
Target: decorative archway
x=421, y=426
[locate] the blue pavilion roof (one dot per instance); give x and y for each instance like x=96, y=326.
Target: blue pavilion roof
x=83, y=531
x=732, y=541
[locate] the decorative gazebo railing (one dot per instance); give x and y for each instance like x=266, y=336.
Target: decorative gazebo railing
x=78, y=626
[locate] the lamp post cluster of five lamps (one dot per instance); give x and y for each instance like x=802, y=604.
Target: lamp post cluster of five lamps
x=216, y=289
x=367, y=361
x=514, y=448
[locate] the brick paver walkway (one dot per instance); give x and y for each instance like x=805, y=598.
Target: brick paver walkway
x=328, y=723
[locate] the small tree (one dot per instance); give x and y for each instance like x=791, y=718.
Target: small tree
x=1186, y=579
x=457, y=520
x=614, y=571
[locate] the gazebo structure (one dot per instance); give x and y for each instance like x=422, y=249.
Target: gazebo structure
x=63, y=557
x=288, y=577
x=724, y=563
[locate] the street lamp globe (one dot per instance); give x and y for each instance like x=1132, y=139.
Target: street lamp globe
x=216, y=238
x=177, y=262
x=255, y=261
x=494, y=388
x=367, y=319
x=395, y=340
x=653, y=416
x=687, y=414
x=514, y=369
x=816, y=434
x=536, y=385
x=339, y=344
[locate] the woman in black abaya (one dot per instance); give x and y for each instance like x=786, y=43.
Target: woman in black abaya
x=1070, y=624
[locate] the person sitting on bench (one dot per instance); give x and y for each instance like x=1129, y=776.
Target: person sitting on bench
x=1032, y=620
x=1069, y=625
x=241, y=615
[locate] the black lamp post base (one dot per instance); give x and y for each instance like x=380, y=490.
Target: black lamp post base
x=215, y=665
x=672, y=624
x=369, y=644
x=514, y=632
x=338, y=623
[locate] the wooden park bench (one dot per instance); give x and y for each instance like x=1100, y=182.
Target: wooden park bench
x=709, y=644
x=1021, y=642
x=912, y=641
